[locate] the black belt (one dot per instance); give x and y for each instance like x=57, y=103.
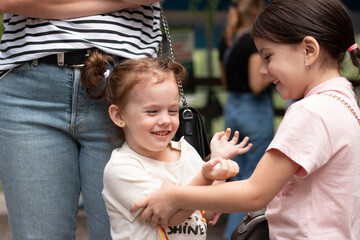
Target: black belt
x=67, y=59
x=73, y=59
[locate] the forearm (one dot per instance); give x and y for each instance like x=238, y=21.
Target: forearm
x=182, y=214
x=200, y=180
x=270, y=176
x=55, y=9
x=235, y=196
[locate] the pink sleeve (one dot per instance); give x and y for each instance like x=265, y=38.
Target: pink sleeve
x=303, y=137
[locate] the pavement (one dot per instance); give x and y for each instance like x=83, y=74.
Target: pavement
x=214, y=233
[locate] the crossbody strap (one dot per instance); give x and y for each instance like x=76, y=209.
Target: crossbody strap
x=172, y=57
x=345, y=104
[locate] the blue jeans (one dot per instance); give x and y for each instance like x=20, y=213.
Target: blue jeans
x=252, y=116
x=53, y=145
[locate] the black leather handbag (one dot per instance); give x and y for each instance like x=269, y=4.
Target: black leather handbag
x=192, y=128
x=191, y=125
x=254, y=226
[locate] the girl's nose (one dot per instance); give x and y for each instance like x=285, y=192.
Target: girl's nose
x=263, y=71
x=165, y=118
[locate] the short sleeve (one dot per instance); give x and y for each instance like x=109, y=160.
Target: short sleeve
x=126, y=182
x=303, y=137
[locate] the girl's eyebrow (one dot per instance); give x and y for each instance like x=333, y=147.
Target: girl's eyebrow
x=261, y=51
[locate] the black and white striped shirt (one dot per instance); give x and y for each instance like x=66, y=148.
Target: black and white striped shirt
x=130, y=33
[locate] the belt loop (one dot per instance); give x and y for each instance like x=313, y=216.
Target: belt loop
x=34, y=62
x=60, y=59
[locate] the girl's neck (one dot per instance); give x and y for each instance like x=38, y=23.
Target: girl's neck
x=169, y=154
x=322, y=75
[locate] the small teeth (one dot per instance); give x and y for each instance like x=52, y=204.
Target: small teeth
x=161, y=133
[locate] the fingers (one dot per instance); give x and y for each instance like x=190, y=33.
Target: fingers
x=244, y=142
x=229, y=168
x=223, y=169
x=141, y=203
x=227, y=134
x=155, y=221
x=245, y=149
x=209, y=167
x=233, y=168
x=215, y=219
x=146, y=214
x=235, y=138
x=211, y=163
x=218, y=135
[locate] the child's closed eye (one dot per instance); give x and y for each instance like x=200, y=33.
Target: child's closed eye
x=173, y=111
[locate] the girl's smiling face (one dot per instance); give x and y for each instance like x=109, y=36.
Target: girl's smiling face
x=284, y=66
x=151, y=117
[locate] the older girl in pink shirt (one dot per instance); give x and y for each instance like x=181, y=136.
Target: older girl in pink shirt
x=309, y=177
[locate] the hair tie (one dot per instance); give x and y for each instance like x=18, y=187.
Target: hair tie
x=107, y=73
x=353, y=47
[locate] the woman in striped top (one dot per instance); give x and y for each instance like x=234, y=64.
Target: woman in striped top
x=54, y=138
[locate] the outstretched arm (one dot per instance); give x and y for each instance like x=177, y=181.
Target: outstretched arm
x=215, y=169
x=272, y=173
x=55, y=9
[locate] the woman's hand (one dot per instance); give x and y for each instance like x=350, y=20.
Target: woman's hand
x=219, y=169
x=221, y=147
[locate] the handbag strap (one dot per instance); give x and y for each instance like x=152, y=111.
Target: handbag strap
x=346, y=105
x=172, y=57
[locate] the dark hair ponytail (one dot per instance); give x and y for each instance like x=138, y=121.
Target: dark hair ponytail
x=355, y=57
x=92, y=74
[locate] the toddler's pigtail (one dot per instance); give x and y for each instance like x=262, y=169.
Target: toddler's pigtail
x=92, y=74
x=178, y=69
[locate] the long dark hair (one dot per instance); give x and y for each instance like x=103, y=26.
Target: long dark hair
x=328, y=21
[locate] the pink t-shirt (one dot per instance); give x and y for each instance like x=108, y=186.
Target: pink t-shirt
x=322, y=201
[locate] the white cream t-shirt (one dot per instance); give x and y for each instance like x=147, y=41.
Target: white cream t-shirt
x=129, y=176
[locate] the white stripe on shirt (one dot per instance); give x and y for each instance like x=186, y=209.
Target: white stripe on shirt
x=130, y=33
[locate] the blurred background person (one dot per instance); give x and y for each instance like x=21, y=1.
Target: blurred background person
x=249, y=108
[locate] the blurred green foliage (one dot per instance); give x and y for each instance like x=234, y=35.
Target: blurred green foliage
x=1, y=25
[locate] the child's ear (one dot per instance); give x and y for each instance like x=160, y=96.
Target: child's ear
x=115, y=115
x=311, y=49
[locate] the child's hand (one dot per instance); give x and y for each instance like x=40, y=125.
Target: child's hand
x=212, y=217
x=221, y=147
x=219, y=169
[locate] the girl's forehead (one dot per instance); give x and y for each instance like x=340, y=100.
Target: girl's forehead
x=154, y=82
x=267, y=45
